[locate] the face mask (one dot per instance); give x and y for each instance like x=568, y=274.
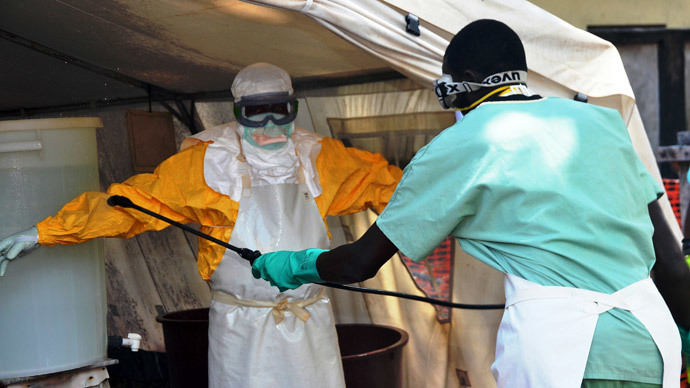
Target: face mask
x=269, y=136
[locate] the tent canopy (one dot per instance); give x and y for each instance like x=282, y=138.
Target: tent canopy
x=187, y=47
x=71, y=52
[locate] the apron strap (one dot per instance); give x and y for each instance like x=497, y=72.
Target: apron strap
x=297, y=307
x=629, y=298
x=246, y=186
x=300, y=175
x=641, y=298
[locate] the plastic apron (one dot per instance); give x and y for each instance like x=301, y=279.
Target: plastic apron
x=247, y=347
x=546, y=332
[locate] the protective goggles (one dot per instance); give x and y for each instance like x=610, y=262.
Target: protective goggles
x=446, y=90
x=279, y=108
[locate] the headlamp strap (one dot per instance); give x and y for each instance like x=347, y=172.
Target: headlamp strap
x=506, y=77
x=445, y=86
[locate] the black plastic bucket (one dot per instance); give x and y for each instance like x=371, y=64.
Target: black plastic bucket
x=371, y=354
x=186, y=347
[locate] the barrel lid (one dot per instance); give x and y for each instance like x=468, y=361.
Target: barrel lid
x=54, y=123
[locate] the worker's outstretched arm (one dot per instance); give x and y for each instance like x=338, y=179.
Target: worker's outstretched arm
x=671, y=273
x=176, y=189
x=345, y=264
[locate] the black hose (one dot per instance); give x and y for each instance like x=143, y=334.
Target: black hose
x=245, y=253
x=415, y=297
x=250, y=255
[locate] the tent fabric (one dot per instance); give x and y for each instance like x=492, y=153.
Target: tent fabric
x=559, y=56
x=376, y=28
x=397, y=137
x=562, y=60
x=363, y=105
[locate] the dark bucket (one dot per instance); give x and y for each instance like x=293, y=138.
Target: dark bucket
x=186, y=347
x=371, y=354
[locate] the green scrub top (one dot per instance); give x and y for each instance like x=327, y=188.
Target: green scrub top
x=549, y=190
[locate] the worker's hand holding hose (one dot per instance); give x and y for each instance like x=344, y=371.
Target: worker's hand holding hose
x=286, y=269
x=15, y=245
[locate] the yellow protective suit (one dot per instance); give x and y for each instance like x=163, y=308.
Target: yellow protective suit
x=351, y=180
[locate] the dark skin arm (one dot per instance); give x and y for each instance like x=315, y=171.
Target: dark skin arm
x=671, y=273
x=358, y=261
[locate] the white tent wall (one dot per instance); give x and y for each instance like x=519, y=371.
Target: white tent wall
x=364, y=105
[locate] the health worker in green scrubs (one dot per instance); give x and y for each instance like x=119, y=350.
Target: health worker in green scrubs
x=551, y=192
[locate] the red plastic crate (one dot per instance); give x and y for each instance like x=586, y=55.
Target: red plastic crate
x=672, y=187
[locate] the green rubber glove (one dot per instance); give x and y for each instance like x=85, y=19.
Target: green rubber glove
x=287, y=269
x=19, y=243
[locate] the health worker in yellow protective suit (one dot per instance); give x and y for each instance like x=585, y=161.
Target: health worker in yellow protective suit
x=259, y=183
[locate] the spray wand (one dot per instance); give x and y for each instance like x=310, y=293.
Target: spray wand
x=245, y=253
x=251, y=255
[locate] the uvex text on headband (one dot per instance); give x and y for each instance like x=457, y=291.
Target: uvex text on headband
x=280, y=108
x=446, y=89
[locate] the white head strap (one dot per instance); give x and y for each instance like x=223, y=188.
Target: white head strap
x=446, y=89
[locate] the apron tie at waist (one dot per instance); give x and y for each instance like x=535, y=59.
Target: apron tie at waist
x=296, y=307
x=630, y=298
x=536, y=316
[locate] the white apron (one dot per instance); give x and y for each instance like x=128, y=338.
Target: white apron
x=546, y=332
x=248, y=348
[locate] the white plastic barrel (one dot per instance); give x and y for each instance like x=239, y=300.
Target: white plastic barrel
x=53, y=301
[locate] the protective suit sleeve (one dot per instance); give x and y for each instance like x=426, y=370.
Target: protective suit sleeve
x=176, y=189
x=353, y=180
